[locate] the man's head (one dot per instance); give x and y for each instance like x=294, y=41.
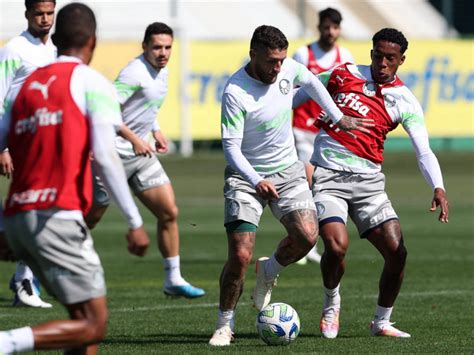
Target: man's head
x=75, y=31
x=329, y=27
x=387, y=54
x=157, y=44
x=268, y=49
x=40, y=16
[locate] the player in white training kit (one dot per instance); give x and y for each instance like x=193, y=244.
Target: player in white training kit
x=141, y=88
x=263, y=168
x=348, y=177
x=18, y=59
x=69, y=105
x=318, y=57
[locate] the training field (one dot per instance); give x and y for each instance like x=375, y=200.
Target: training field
x=436, y=304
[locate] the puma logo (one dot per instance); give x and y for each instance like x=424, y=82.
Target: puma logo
x=36, y=85
x=341, y=80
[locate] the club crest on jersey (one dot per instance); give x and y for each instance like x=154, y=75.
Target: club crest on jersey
x=284, y=86
x=369, y=88
x=389, y=100
x=351, y=101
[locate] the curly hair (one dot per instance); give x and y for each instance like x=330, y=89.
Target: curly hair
x=268, y=37
x=29, y=3
x=391, y=35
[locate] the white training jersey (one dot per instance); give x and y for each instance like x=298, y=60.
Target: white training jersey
x=324, y=59
x=96, y=99
x=260, y=115
x=19, y=58
x=141, y=90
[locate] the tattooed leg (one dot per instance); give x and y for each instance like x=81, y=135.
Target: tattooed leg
x=240, y=248
x=302, y=228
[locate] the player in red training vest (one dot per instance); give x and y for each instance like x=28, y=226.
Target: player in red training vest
x=63, y=113
x=348, y=177
x=319, y=56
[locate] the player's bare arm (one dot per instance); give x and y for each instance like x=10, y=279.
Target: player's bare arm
x=349, y=123
x=6, y=164
x=440, y=200
x=138, y=241
x=161, y=143
x=140, y=147
x=266, y=190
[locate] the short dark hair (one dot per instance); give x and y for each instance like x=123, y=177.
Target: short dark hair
x=29, y=3
x=391, y=35
x=157, y=28
x=268, y=37
x=330, y=13
x=75, y=25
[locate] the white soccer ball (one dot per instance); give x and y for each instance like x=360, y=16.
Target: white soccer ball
x=278, y=324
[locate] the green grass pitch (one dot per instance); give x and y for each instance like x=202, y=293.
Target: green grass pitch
x=435, y=304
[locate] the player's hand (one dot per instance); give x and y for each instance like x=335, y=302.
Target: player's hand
x=266, y=190
x=138, y=241
x=6, y=254
x=6, y=164
x=161, y=143
x=142, y=148
x=439, y=199
x=349, y=123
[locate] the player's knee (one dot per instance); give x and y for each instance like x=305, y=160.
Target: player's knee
x=169, y=214
x=335, y=248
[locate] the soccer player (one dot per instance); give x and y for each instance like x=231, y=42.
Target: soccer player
x=348, y=177
x=263, y=168
x=318, y=57
x=62, y=113
x=142, y=87
x=18, y=59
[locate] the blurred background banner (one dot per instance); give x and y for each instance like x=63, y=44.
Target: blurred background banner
x=439, y=72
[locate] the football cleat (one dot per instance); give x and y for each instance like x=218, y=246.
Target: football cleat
x=262, y=293
x=329, y=324
x=186, y=291
x=302, y=261
x=222, y=337
x=314, y=256
x=24, y=296
x=386, y=329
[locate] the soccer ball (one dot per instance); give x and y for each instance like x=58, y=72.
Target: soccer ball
x=278, y=324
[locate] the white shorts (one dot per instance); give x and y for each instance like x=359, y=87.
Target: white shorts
x=362, y=196
x=304, y=144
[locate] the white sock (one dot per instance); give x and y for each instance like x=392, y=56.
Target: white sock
x=382, y=314
x=225, y=318
x=22, y=272
x=173, y=272
x=17, y=340
x=272, y=268
x=332, y=297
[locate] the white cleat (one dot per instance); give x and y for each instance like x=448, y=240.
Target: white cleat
x=386, y=329
x=314, y=256
x=222, y=337
x=27, y=298
x=262, y=293
x=302, y=261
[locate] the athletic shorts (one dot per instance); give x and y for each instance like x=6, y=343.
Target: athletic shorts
x=362, y=196
x=61, y=254
x=243, y=203
x=304, y=143
x=143, y=173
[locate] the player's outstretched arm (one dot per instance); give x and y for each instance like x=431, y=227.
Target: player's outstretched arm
x=349, y=123
x=138, y=241
x=440, y=200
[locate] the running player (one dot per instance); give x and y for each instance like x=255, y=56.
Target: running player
x=263, y=168
x=318, y=57
x=142, y=87
x=18, y=59
x=69, y=106
x=348, y=177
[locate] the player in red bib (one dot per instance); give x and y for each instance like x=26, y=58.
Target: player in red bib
x=319, y=56
x=64, y=112
x=348, y=178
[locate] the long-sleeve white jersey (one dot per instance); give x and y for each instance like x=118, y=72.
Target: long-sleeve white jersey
x=141, y=90
x=19, y=58
x=256, y=119
x=95, y=97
